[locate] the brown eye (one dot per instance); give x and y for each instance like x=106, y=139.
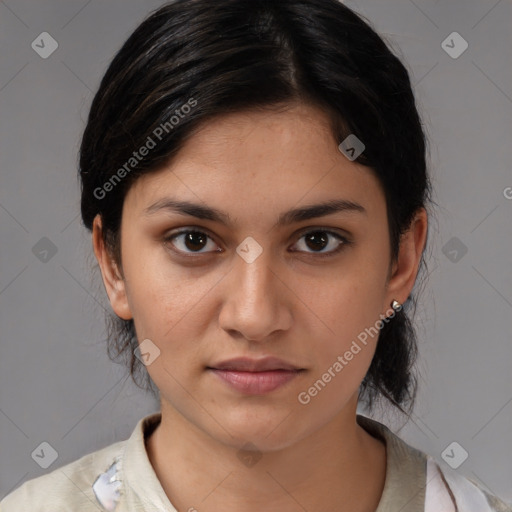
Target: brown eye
x=195, y=241
x=319, y=240
x=190, y=241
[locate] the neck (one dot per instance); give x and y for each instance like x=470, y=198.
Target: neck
x=339, y=467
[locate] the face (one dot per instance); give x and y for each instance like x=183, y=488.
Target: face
x=249, y=276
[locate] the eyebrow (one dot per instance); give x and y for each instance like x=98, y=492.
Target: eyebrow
x=291, y=216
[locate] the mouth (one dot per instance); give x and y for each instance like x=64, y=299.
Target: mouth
x=255, y=376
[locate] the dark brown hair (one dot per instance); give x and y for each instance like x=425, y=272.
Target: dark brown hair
x=235, y=55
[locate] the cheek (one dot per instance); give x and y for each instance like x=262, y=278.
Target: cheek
x=345, y=349
x=350, y=300
x=163, y=297
x=349, y=307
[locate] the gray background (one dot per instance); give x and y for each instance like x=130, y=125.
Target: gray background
x=56, y=382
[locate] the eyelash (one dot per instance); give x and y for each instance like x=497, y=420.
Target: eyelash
x=344, y=242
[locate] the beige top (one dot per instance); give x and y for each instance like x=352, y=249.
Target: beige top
x=121, y=478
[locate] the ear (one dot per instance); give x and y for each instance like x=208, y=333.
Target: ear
x=112, y=279
x=406, y=266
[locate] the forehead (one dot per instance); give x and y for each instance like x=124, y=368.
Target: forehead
x=259, y=160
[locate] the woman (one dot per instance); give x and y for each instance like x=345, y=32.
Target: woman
x=254, y=177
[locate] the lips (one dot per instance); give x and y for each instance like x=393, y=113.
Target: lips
x=245, y=364
x=255, y=376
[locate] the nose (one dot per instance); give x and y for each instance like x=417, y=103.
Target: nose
x=257, y=300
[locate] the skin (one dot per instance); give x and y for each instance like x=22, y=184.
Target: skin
x=290, y=302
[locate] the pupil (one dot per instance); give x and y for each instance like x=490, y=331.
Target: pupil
x=195, y=241
x=322, y=238
x=191, y=240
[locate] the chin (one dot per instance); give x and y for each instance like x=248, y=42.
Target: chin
x=269, y=432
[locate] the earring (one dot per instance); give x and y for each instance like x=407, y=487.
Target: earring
x=396, y=305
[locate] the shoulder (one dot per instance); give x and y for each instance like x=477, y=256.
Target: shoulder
x=416, y=481
x=447, y=490
x=66, y=488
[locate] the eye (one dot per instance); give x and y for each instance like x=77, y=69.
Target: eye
x=323, y=242
x=191, y=241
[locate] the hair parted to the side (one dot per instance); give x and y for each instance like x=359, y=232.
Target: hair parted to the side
x=239, y=55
